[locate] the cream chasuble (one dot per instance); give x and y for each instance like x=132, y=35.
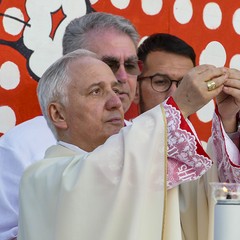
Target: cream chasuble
x=116, y=192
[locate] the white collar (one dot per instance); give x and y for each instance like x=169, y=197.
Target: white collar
x=72, y=147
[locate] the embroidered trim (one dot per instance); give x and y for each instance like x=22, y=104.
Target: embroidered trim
x=227, y=170
x=184, y=162
x=165, y=172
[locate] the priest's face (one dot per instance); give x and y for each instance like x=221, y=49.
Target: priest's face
x=94, y=110
x=165, y=67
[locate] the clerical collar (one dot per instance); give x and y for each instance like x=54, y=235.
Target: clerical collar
x=72, y=147
x=127, y=123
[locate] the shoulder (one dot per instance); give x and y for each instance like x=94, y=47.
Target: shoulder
x=29, y=130
x=29, y=139
x=35, y=124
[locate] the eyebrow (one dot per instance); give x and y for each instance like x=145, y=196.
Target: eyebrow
x=102, y=84
x=166, y=75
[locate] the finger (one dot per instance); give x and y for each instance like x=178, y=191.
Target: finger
x=234, y=73
x=203, y=68
x=234, y=83
x=233, y=92
x=221, y=97
x=214, y=74
x=216, y=84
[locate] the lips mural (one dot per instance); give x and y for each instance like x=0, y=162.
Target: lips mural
x=31, y=32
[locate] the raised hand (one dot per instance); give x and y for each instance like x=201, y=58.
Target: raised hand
x=198, y=87
x=228, y=101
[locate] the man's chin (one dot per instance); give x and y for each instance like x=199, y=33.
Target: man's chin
x=126, y=104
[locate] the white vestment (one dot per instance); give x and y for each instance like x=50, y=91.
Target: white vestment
x=116, y=192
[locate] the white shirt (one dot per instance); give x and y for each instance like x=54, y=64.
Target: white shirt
x=19, y=147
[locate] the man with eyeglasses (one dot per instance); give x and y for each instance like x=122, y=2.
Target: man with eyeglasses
x=160, y=83
x=166, y=59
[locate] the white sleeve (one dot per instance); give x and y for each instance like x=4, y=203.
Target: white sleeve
x=20, y=147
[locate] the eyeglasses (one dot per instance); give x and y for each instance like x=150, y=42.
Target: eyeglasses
x=132, y=67
x=160, y=82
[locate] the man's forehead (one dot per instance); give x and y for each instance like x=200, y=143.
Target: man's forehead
x=82, y=62
x=168, y=59
x=170, y=71
x=90, y=67
x=169, y=64
x=110, y=42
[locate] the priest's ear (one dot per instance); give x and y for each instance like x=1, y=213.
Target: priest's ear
x=136, y=99
x=57, y=115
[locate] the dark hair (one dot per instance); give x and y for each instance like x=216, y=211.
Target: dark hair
x=167, y=43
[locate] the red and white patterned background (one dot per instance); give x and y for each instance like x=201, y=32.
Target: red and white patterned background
x=31, y=33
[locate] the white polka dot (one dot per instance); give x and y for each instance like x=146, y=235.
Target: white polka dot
x=236, y=21
x=120, y=4
x=204, y=145
x=7, y=119
x=214, y=54
x=183, y=11
x=11, y=25
x=9, y=75
x=93, y=1
x=212, y=15
x=205, y=114
x=152, y=7
x=235, y=62
x=141, y=40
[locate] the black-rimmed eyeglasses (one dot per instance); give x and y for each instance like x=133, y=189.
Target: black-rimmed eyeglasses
x=160, y=82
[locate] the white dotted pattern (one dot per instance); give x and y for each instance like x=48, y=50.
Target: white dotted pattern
x=152, y=7
x=10, y=25
x=236, y=21
x=183, y=11
x=45, y=49
x=7, y=119
x=120, y=4
x=93, y=1
x=235, y=62
x=212, y=16
x=204, y=144
x=9, y=75
x=205, y=114
x=214, y=54
x=142, y=39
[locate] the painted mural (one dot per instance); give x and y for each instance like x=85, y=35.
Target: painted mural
x=31, y=33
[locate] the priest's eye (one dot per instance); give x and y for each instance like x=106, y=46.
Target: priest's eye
x=95, y=92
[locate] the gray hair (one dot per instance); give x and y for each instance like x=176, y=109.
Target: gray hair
x=76, y=36
x=52, y=87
